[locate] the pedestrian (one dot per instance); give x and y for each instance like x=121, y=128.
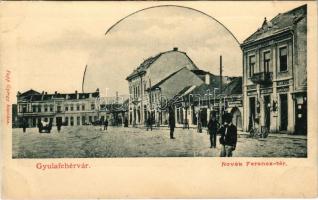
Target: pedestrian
x=228, y=137
x=105, y=124
x=101, y=123
x=126, y=122
x=186, y=124
x=212, y=129
x=172, y=123
x=149, y=123
x=199, y=127
x=58, y=125
x=24, y=124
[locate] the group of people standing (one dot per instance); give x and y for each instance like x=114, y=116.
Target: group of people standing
x=228, y=132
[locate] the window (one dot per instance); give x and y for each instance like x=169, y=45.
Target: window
x=78, y=119
x=83, y=120
x=72, y=121
x=92, y=106
x=33, y=108
x=66, y=121
x=39, y=108
x=58, y=108
x=66, y=108
x=77, y=107
x=90, y=119
x=83, y=107
x=45, y=108
x=251, y=66
x=72, y=108
x=283, y=59
x=267, y=60
x=51, y=108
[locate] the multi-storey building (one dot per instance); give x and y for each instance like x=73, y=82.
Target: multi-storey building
x=71, y=109
x=151, y=79
x=275, y=74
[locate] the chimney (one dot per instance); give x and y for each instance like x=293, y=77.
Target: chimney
x=76, y=93
x=207, y=78
x=175, y=48
x=55, y=92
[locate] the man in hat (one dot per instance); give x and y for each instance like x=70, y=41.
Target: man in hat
x=212, y=129
x=228, y=137
x=172, y=122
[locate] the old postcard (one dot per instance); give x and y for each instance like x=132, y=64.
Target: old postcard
x=158, y=99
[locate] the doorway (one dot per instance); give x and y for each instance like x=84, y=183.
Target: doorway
x=283, y=112
x=251, y=113
x=267, y=111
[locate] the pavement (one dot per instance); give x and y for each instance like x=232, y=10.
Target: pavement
x=90, y=141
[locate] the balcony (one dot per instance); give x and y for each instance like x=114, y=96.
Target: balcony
x=262, y=78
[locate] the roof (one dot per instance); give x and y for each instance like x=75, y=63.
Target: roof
x=35, y=96
x=165, y=79
x=234, y=87
x=200, y=90
x=149, y=61
x=231, y=89
x=29, y=92
x=280, y=23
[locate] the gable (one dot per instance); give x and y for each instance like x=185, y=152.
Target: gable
x=167, y=64
x=29, y=92
x=178, y=81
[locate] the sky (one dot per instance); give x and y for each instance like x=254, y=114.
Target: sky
x=46, y=45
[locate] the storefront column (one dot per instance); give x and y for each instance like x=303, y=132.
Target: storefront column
x=274, y=114
x=291, y=109
x=190, y=115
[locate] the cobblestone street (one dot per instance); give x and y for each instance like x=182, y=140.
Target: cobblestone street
x=89, y=141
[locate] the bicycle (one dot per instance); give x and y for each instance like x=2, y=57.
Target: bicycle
x=257, y=132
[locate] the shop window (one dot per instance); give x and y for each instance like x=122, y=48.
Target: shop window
x=66, y=121
x=83, y=120
x=72, y=121
x=78, y=120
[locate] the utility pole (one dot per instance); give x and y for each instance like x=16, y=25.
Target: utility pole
x=220, y=100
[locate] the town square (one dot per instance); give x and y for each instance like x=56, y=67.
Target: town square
x=91, y=141
x=176, y=95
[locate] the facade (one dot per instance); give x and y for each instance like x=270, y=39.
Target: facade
x=151, y=73
x=275, y=74
x=194, y=104
x=72, y=109
x=114, y=109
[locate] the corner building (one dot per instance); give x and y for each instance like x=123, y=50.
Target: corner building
x=275, y=74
